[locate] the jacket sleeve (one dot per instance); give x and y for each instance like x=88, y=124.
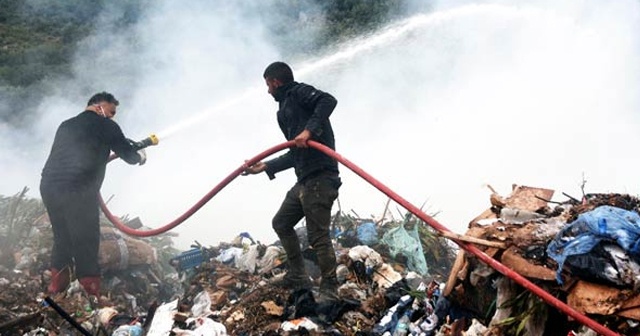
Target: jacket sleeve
x=321, y=103
x=282, y=162
x=120, y=145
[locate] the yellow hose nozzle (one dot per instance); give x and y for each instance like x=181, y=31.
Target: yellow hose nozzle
x=152, y=140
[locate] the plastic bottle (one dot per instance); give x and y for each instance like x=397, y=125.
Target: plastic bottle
x=402, y=328
x=390, y=319
x=128, y=330
x=386, y=322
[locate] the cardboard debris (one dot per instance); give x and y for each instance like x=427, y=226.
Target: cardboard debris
x=528, y=198
x=599, y=299
x=525, y=223
x=272, y=308
x=512, y=259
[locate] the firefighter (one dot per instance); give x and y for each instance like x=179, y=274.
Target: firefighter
x=70, y=184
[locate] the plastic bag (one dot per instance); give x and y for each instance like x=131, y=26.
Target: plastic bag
x=367, y=233
x=608, y=264
x=604, y=223
x=248, y=260
x=408, y=243
x=201, y=304
x=229, y=255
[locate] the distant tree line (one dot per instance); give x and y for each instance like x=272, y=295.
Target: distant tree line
x=37, y=41
x=329, y=21
x=39, y=37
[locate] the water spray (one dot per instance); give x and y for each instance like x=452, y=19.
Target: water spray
x=194, y=120
x=358, y=47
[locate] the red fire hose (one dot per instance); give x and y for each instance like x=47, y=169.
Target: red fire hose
x=522, y=281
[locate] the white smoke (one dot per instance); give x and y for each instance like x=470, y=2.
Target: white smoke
x=471, y=93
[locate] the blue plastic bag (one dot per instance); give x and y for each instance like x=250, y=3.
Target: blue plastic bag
x=606, y=223
x=367, y=233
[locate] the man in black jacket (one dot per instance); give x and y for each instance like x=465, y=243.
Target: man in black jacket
x=71, y=181
x=303, y=115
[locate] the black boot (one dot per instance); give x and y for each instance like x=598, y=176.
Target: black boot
x=327, y=263
x=296, y=277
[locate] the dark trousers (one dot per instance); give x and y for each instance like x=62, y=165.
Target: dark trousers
x=75, y=222
x=311, y=199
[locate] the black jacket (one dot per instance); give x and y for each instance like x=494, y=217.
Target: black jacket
x=301, y=107
x=80, y=152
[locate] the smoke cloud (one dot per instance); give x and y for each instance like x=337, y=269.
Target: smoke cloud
x=435, y=107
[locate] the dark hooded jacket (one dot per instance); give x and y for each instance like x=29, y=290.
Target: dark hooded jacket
x=301, y=107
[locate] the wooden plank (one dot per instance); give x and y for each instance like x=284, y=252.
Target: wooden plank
x=512, y=259
x=453, y=276
x=474, y=240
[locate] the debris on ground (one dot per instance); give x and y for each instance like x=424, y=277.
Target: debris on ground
x=151, y=288
x=397, y=276
x=584, y=252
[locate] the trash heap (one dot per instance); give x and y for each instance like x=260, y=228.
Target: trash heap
x=386, y=285
x=397, y=277
x=136, y=274
x=585, y=252
x=390, y=273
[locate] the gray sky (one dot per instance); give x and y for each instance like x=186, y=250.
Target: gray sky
x=436, y=107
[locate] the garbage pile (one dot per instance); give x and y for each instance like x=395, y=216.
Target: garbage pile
x=136, y=273
x=232, y=294
x=390, y=273
x=585, y=252
x=397, y=277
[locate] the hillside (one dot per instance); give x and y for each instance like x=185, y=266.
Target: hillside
x=38, y=38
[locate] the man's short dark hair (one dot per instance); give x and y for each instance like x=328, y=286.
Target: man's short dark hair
x=103, y=97
x=280, y=71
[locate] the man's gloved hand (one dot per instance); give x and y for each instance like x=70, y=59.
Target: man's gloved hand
x=136, y=144
x=143, y=156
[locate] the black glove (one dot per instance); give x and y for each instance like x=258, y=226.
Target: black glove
x=137, y=145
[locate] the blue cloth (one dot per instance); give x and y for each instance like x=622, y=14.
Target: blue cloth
x=606, y=223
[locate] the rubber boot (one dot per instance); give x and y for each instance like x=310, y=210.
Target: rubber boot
x=296, y=277
x=60, y=280
x=327, y=263
x=91, y=285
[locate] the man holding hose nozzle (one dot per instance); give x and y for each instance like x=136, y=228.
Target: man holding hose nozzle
x=71, y=181
x=303, y=115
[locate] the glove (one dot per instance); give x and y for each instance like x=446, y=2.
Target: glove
x=143, y=156
x=138, y=145
x=133, y=144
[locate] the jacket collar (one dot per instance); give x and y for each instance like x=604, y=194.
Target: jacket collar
x=281, y=92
